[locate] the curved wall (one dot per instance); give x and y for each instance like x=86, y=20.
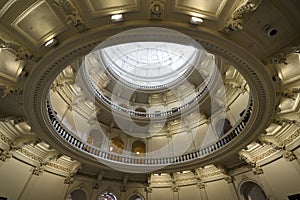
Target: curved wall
x=18, y=182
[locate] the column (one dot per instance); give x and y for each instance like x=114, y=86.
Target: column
x=232, y=188
x=203, y=194
x=94, y=191
x=260, y=174
x=123, y=192
x=292, y=158
x=148, y=190
x=175, y=192
x=37, y=171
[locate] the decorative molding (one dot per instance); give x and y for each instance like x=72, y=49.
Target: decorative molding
x=292, y=137
x=95, y=186
x=38, y=170
x=69, y=180
x=58, y=167
x=289, y=156
x=4, y=155
x=148, y=189
x=266, y=154
x=272, y=141
x=228, y=179
x=9, y=90
x=281, y=56
x=207, y=175
x=174, y=188
x=6, y=7
x=20, y=51
x=257, y=170
x=201, y=185
x=16, y=119
x=235, y=23
x=156, y=10
x=123, y=188
x=90, y=176
x=247, y=157
x=74, y=169
x=51, y=156
x=72, y=15
x=21, y=141
x=5, y=139
x=31, y=155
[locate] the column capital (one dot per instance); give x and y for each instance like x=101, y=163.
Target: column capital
x=289, y=156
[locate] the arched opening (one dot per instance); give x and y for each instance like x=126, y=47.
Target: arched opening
x=252, y=191
x=77, y=195
x=142, y=110
x=222, y=126
x=138, y=148
x=95, y=138
x=136, y=197
x=116, y=145
x=107, y=196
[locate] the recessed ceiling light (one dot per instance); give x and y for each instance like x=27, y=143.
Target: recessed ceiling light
x=196, y=20
x=51, y=42
x=117, y=18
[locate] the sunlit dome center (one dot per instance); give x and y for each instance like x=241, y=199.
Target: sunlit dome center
x=149, y=65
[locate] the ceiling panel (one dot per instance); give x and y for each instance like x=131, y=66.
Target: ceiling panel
x=106, y=7
x=201, y=8
x=38, y=23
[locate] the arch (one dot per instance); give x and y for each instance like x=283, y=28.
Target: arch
x=95, y=138
x=138, y=148
x=250, y=190
x=140, y=109
x=136, y=196
x=77, y=194
x=222, y=126
x=116, y=145
x=107, y=196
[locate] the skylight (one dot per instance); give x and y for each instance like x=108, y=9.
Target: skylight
x=149, y=64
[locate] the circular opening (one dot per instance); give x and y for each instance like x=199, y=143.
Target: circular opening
x=273, y=32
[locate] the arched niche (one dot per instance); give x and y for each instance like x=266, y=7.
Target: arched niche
x=138, y=148
x=116, y=145
x=77, y=194
x=136, y=196
x=107, y=196
x=250, y=190
x=140, y=109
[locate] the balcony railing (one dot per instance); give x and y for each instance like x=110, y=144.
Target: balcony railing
x=76, y=142
x=203, y=90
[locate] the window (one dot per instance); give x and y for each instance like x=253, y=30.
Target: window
x=136, y=197
x=139, y=148
x=77, y=195
x=116, y=145
x=252, y=191
x=149, y=64
x=107, y=196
